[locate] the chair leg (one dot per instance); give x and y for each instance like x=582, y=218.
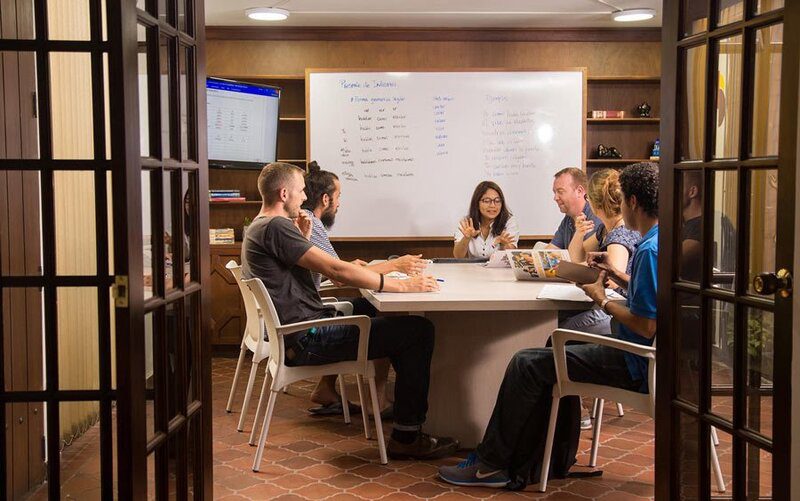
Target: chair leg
x=247, y=394
x=362, y=402
x=594, y=409
x=598, y=422
x=264, y=385
x=548, y=445
x=345, y=403
x=620, y=411
x=716, y=468
x=262, y=439
x=242, y=353
x=376, y=411
x=714, y=436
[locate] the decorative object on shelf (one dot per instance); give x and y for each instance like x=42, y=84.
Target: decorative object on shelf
x=608, y=152
x=643, y=110
x=221, y=236
x=655, y=154
x=246, y=225
x=607, y=114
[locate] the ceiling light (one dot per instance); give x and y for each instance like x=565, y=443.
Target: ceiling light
x=267, y=14
x=631, y=15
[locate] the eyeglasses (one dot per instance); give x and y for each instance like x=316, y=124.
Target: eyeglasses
x=491, y=201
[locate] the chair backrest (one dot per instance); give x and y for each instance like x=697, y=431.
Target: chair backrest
x=253, y=327
x=270, y=317
x=644, y=402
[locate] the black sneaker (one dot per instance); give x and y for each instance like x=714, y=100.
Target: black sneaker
x=423, y=447
x=471, y=472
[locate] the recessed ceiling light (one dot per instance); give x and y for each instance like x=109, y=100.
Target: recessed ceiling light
x=267, y=14
x=631, y=15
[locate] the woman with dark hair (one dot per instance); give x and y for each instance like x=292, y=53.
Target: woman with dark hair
x=490, y=226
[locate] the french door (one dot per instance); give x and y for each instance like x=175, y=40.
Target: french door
x=103, y=250
x=729, y=95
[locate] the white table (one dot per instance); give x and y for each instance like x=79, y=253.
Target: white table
x=482, y=317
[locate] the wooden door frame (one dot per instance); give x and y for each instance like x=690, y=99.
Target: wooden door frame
x=667, y=487
x=131, y=411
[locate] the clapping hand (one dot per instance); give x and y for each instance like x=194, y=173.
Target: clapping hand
x=504, y=240
x=410, y=264
x=303, y=223
x=468, y=229
x=583, y=226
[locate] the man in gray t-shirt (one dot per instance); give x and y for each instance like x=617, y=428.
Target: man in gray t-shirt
x=270, y=251
x=277, y=251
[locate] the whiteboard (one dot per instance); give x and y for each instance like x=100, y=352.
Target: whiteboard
x=410, y=147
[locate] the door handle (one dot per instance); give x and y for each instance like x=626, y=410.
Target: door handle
x=767, y=284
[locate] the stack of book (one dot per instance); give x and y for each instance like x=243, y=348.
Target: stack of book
x=606, y=114
x=221, y=235
x=225, y=196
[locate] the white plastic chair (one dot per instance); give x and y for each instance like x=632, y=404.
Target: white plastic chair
x=254, y=342
x=281, y=375
x=643, y=402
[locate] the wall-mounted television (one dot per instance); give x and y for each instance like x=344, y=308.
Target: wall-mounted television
x=242, y=123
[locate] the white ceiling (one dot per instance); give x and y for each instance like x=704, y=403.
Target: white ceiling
x=436, y=13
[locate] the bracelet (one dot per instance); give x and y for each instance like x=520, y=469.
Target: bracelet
x=380, y=287
x=603, y=304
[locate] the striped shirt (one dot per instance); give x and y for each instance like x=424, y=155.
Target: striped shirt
x=319, y=238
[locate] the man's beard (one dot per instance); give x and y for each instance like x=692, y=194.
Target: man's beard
x=327, y=218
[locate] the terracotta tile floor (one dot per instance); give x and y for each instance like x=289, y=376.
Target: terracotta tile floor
x=323, y=458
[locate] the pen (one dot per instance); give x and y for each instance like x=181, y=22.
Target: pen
x=440, y=279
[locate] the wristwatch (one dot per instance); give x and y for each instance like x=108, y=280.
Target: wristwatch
x=603, y=304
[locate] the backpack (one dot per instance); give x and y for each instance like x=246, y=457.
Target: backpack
x=526, y=463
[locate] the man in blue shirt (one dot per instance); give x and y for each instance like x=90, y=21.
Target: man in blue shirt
x=514, y=438
x=569, y=193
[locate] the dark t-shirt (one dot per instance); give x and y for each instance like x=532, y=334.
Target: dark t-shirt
x=270, y=252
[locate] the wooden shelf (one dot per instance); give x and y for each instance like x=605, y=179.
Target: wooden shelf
x=623, y=79
x=292, y=119
x=623, y=120
x=292, y=160
x=618, y=160
x=246, y=202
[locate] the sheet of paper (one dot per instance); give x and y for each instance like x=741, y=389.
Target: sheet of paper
x=498, y=260
x=569, y=292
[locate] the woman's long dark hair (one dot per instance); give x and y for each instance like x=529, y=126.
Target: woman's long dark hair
x=475, y=210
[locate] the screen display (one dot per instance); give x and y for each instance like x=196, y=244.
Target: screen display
x=242, y=123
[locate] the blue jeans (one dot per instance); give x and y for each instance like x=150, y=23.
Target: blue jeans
x=407, y=341
x=594, y=321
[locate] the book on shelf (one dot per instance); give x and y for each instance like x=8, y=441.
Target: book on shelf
x=607, y=114
x=221, y=235
x=228, y=199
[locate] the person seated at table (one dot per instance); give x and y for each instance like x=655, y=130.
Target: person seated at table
x=519, y=422
x=323, y=192
x=489, y=225
x=569, y=193
x=604, y=198
x=276, y=250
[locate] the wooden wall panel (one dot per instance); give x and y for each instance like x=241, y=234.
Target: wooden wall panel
x=236, y=58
